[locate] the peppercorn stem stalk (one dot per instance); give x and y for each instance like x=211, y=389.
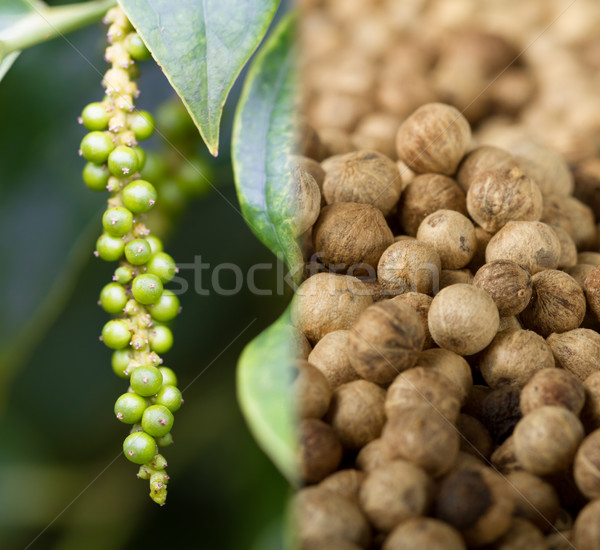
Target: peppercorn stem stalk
x=45, y=23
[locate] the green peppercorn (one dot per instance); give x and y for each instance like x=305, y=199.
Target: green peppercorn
x=109, y=248
x=166, y=308
x=123, y=275
x=123, y=161
x=95, y=116
x=165, y=440
x=139, y=447
x=169, y=377
x=163, y=266
x=170, y=397
x=138, y=251
x=113, y=298
x=160, y=339
x=146, y=381
x=157, y=420
x=147, y=288
x=139, y=196
x=95, y=176
x=96, y=146
x=142, y=125
x=117, y=221
x=119, y=361
x=130, y=407
x=115, y=334
x=136, y=47
x=141, y=155
x=155, y=243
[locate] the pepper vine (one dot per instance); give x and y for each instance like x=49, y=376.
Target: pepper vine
x=136, y=296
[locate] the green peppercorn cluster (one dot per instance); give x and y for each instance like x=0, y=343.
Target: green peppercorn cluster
x=139, y=334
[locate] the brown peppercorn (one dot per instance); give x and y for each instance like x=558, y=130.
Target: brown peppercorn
x=327, y=302
x=534, y=245
x=501, y=411
x=576, y=351
x=320, y=515
x=311, y=166
x=591, y=258
x=501, y=195
x=350, y=236
x=426, y=194
x=475, y=439
x=330, y=356
x=393, y=493
x=477, y=502
x=366, y=177
x=568, y=250
x=420, y=303
x=449, y=277
x=480, y=160
x=557, y=303
x=423, y=386
x=504, y=458
x=345, y=483
x=300, y=345
x=586, y=531
x=373, y=455
x=591, y=410
x=513, y=357
x=385, y=340
x=433, y=139
x=463, y=319
x=424, y=437
x=424, y=533
x=507, y=283
x=320, y=450
x=586, y=468
x=452, y=235
x=509, y=322
x=591, y=286
x=356, y=413
x=409, y=266
x=521, y=535
x=451, y=365
x=535, y=499
x=546, y=439
x=311, y=390
x=547, y=168
x=553, y=387
x=305, y=197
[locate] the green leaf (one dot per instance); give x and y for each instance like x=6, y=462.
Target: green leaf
x=264, y=377
x=262, y=142
x=202, y=47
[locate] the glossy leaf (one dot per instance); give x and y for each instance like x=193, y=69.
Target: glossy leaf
x=262, y=141
x=202, y=47
x=264, y=377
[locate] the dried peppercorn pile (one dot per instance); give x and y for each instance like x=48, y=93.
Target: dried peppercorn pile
x=448, y=346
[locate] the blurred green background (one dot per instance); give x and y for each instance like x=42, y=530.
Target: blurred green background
x=59, y=480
